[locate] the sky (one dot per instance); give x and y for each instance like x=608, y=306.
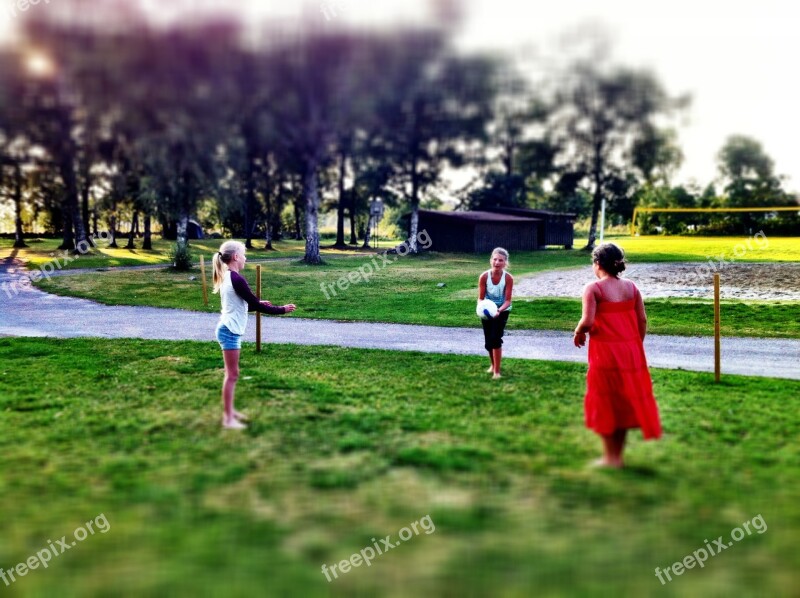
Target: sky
x=734, y=58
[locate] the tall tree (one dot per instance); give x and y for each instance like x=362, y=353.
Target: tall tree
x=438, y=116
x=324, y=97
x=519, y=153
x=602, y=114
x=656, y=155
x=51, y=102
x=13, y=143
x=750, y=180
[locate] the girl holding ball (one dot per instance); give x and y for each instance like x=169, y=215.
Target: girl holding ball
x=496, y=285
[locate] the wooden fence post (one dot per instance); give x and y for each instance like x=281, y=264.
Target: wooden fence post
x=203, y=276
x=258, y=314
x=717, y=365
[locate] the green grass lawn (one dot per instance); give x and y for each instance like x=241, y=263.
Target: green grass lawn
x=650, y=249
x=350, y=445
x=406, y=291
x=699, y=249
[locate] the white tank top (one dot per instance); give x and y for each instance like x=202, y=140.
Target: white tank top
x=496, y=292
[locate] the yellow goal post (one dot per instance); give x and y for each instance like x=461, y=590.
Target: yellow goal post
x=638, y=210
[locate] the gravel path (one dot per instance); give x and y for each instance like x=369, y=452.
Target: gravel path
x=35, y=313
x=769, y=281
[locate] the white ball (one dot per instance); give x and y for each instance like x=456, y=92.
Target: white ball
x=487, y=305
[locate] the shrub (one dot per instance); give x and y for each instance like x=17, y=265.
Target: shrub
x=181, y=256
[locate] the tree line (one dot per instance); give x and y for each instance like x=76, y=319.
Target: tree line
x=154, y=123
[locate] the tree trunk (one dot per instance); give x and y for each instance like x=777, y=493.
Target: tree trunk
x=297, y=232
x=249, y=203
x=112, y=234
x=311, y=195
x=131, y=244
x=183, y=225
x=412, y=237
x=269, y=222
x=268, y=226
x=508, y=164
x=87, y=183
x=148, y=239
x=68, y=239
x=19, y=241
x=340, y=208
x=66, y=166
x=596, y=202
x=367, y=234
x=414, y=224
x=353, y=236
x=593, y=226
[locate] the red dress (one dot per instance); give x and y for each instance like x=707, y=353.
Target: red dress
x=619, y=391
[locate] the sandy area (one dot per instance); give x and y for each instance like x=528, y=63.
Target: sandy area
x=677, y=279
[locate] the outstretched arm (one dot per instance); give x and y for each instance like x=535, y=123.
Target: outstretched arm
x=253, y=304
x=587, y=317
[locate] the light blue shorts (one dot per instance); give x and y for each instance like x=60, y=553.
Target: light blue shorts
x=227, y=339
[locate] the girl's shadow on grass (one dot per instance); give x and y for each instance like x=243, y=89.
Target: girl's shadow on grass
x=640, y=471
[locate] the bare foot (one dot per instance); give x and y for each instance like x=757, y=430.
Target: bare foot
x=490, y=370
x=233, y=424
x=496, y=376
x=240, y=416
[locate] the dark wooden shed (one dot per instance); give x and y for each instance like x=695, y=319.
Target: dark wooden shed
x=555, y=228
x=479, y=232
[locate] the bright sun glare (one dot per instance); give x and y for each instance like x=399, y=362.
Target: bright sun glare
x=40, y=65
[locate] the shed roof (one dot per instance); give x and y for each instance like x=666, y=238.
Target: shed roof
x=531, y=211
x=477, y=216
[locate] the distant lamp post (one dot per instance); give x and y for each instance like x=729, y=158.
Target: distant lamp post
x=376, y=213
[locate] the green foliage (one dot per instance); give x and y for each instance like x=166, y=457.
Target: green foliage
x=346, y=445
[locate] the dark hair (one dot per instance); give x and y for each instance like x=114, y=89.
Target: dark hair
x=610, y=258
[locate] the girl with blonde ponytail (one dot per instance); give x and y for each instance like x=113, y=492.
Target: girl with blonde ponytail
x=237, y=299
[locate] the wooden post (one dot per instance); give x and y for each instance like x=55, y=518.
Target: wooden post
x=716, y=329
x=203, y=276
x=258, y=314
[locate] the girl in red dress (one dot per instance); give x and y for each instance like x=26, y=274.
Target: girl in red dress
x=619, y=391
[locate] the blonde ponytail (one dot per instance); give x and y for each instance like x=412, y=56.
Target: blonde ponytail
x=222, y=258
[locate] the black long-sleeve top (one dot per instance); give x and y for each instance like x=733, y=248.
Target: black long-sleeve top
x=253, y=304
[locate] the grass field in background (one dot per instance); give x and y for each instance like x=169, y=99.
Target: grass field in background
x=348, y=445
x=649, y=249
x=406, y=291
